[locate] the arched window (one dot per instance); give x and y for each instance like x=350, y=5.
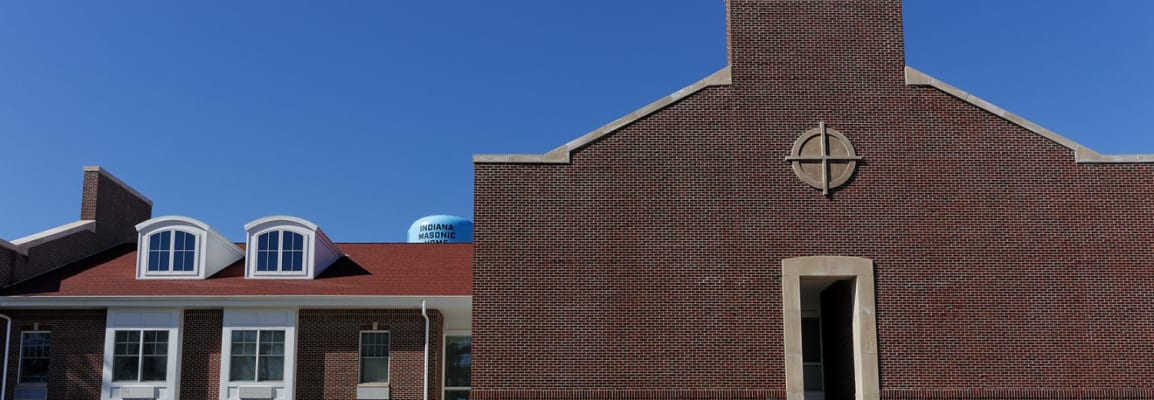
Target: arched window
x=284, y=247
x=280, y=251
x=171, y=251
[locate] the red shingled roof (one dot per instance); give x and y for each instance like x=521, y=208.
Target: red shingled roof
x=373, y=269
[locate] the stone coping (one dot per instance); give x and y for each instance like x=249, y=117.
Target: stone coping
x=561, y=154
x=22, y=245
x=1082, y=154
x=102, y=171
x=913, y=77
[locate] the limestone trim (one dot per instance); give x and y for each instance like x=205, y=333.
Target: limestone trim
x=561, y=154
x=8, y=245
x=1082, y=154
x=860, y=271
x=102, y=171
x=22, y=245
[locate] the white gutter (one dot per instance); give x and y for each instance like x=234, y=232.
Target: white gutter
x=304, y=301
x=423, y=314
x=7, y=342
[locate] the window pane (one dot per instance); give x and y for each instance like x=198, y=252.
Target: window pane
x=153, y=260
x=456, y=395
x=293, y=252
x=127, y=343
x=242, y=368
x=154, y=368
x=155, y=343
x=267, y=251
x=295, y=261
x=374, y=369
x=34, y=348
x=154, y=241
x=124, y=368
x=182, y=261
x=243, y=343
x=458, y=360
x=271, y=368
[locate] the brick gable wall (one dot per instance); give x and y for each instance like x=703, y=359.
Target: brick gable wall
x=649, y=267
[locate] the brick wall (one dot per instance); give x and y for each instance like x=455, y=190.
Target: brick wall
x=649, y=267
x=7, y=264
x=328, y=352
x=200, y=358
x=76, y=357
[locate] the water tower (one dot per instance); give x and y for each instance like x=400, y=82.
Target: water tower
x=441, y=229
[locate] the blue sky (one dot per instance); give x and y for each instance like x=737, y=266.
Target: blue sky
x=362, y=116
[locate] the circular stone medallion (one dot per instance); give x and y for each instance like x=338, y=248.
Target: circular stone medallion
x=823, y=158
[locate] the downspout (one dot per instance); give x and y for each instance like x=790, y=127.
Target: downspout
x=423, y=314
x=7, y=342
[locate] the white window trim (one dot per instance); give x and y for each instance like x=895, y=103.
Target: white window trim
x=306, y=258
x=140, y=354
x=20, y=363
x=257, y=356
x=445, y=360
x=259, y=319
x=144, y=320
x=146, y=250
x=360, y=357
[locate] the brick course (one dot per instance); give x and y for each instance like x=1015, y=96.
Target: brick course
x=649, y=267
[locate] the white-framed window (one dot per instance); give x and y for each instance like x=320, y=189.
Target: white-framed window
x=458, y=365
x=284, y=247
x=172, y=251
x=34, y=349
x=280, y=251
x=140, y=355
x=257, y=355
x=175, y=247
x=375, y=356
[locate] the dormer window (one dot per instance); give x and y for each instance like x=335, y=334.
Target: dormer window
x=283, y=247
x=181, y=248
x=172, y=251
x=280, y=251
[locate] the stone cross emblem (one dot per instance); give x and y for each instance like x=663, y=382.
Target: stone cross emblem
x=823, y=158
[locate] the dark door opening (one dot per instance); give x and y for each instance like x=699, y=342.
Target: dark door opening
x=827, y=339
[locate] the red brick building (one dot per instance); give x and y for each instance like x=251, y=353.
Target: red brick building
x=815, y=220
x=120, y=305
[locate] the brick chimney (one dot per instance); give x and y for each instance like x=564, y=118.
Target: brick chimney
x=114, y=205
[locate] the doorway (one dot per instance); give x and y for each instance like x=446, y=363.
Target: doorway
x=830, y=328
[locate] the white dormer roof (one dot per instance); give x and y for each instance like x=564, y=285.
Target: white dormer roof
x=176, y=247
x=285, y=247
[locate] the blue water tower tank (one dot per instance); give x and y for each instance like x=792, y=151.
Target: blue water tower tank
x=441, y=229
